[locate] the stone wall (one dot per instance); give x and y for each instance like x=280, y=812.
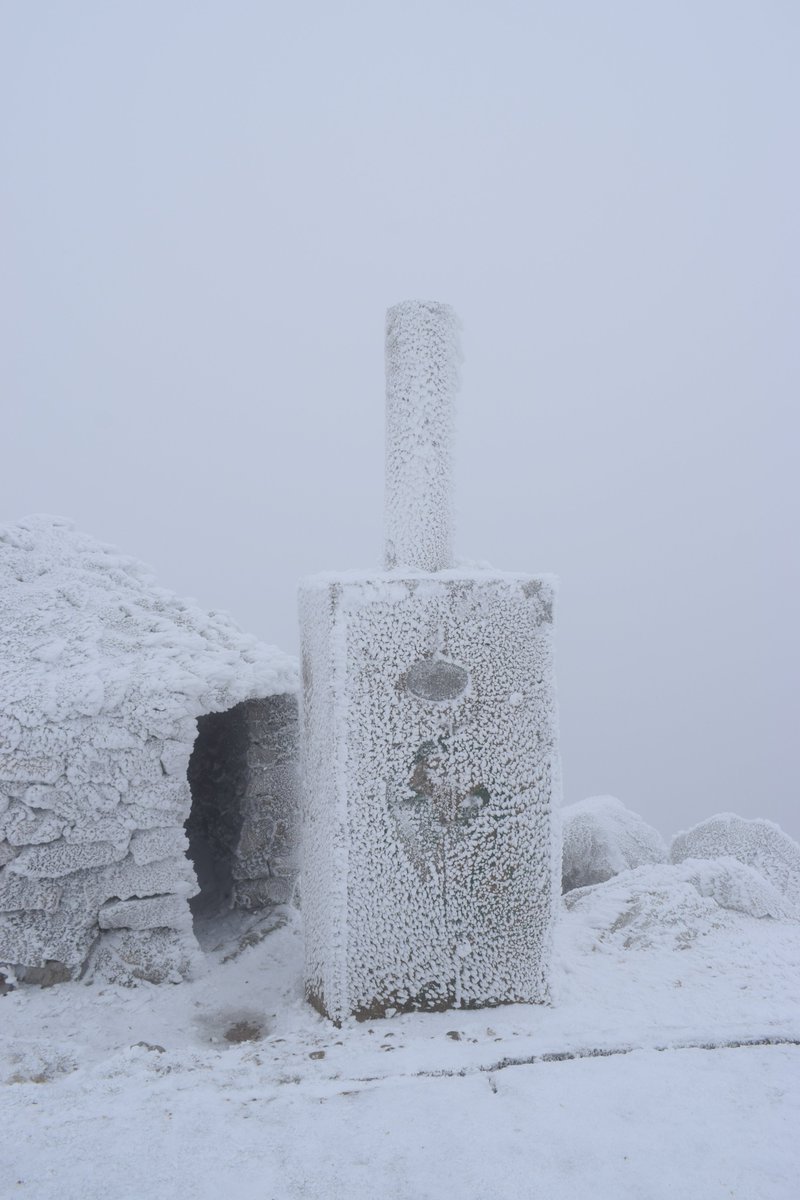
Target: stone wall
x=93, y=819
x=93, y=844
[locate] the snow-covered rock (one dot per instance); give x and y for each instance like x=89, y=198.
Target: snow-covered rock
x=647, y=908
x=601, y=838
x=736, y=886
x=670, y=906
x=103, y=676
x=757, y=843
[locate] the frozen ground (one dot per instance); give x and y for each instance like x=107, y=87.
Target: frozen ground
x=614, y=1092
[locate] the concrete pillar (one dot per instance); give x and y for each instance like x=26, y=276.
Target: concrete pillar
x=422, y=374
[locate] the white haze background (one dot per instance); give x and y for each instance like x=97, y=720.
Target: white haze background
x=206, y=209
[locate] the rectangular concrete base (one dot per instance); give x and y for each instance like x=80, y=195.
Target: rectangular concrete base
x=430, y=864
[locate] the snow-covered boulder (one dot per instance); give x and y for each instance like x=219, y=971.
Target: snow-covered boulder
x=647, y=908
x=671, y=905
x=601, y=838
x=734, y=885
x=103, y=677
x=759, y=844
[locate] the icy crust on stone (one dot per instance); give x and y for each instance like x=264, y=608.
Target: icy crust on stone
x=423, y=359
x=474, y=572
x=671, y=906
x=87, y=631
x=757, y=843
x=431, y=859
x=601, y=838
x=737, y=886
x=646, y=908
x=103, y=675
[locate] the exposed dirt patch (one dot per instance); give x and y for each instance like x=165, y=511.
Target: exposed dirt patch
x=244, y=1031
x=233, y=1026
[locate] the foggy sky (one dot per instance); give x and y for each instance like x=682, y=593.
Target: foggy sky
x=206, y=209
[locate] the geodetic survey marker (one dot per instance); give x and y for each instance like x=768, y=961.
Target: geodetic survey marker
x=431, y=865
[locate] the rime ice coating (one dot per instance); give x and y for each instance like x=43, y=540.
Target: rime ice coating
x=601, y=838
x=431, y=861
x=756, y=843
x=103, y=675
x=422, y=377
x=429, y=748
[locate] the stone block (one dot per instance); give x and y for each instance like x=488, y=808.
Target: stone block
x=127, y=957
x=265, y=892
x=111, y=735
x=100, y=829
x=152, y=912
x=22, y=826
x=152, y=845
x=46, y=976
x=18, y=893
x=62, y=858
x=118, y=769
x=165, y=803
x=74, y=802
x=10, y=733
x=431, y=865
x=7, y=853
x=26, y=768
x=175, y=758
x=128, y=878
x=272, y=729
x=32, y=938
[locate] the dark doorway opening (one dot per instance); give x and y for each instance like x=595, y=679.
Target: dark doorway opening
x=218, y=780
x=242, y=824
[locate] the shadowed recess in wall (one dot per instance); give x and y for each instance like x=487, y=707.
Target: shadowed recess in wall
x=240, y=829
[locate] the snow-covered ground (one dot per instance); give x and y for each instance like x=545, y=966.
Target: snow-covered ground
x=668, y=1066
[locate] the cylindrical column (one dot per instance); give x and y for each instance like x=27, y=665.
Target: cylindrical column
x=422, y=376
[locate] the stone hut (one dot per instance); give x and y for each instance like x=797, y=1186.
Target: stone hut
x=147, y=759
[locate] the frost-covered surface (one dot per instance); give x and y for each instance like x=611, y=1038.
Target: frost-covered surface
x=757, y=843
x=102, y=677
x=422, y=376
x=431, y=777
x=614, y=1093
x=672, y=905
x=735, y=885
x=600, y=838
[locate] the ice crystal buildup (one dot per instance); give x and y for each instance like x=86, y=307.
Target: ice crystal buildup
x=431, y=866
x=111, y=688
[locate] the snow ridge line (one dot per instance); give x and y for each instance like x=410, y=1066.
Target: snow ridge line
x=594, y=1052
